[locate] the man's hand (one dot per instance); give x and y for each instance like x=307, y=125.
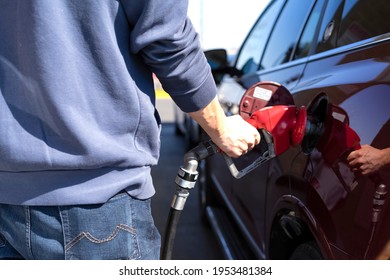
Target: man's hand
x=368, y=159
x=239, y=138
x=233, y=135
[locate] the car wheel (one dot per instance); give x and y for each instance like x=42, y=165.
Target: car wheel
x=307, y=251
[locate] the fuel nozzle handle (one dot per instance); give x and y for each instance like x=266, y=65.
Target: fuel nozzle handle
x=266, y=154
x=280, y=127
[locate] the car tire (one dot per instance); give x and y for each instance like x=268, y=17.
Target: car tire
x=307, y=251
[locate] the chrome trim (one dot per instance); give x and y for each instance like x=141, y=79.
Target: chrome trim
x=351, y=47
x=332, y=52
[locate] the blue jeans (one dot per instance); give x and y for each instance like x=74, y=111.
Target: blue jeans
x=121, y=228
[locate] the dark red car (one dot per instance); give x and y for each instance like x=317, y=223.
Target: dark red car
x=307, y=203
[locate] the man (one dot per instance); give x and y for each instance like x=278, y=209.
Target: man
x=79, y=129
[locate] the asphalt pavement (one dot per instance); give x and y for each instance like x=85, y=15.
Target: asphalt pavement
x=194, y=240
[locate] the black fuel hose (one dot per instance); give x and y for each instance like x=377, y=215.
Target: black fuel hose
x=185, y=181
x=170, y=233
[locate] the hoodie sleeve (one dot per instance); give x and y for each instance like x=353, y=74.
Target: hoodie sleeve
x=164, y=36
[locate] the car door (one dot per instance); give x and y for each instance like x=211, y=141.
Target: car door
x=351, y=65
x=283, y=61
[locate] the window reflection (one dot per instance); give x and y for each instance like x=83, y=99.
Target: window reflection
x=363, y=19
x=286, y=33
x=249, y=57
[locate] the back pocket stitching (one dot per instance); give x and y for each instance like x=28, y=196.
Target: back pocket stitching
x=93, y=239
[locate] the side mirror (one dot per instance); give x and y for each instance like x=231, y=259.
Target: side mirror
x=218, y=61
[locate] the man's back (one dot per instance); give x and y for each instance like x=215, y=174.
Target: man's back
x=77, y=99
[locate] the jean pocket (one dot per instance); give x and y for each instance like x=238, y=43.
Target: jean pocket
x=103, y=231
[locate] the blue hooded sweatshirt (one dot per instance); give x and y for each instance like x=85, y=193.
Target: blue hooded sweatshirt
x=78, y=121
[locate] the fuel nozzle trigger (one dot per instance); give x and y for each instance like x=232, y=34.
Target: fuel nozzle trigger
x=280, y=127
x=270, y=108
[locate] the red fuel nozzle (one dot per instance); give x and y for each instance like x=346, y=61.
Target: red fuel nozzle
x=286, y=124
x=270, y=106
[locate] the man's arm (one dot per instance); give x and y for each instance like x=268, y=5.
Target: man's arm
x=169, y=45
x=233, y=135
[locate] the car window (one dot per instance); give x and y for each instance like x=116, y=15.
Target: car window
x=286, y=33
x=330, y=24
x=308, y=33
x=249, y=57
x=363, y=19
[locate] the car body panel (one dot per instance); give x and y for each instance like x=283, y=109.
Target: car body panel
x=359, y=82
x=332, y=205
